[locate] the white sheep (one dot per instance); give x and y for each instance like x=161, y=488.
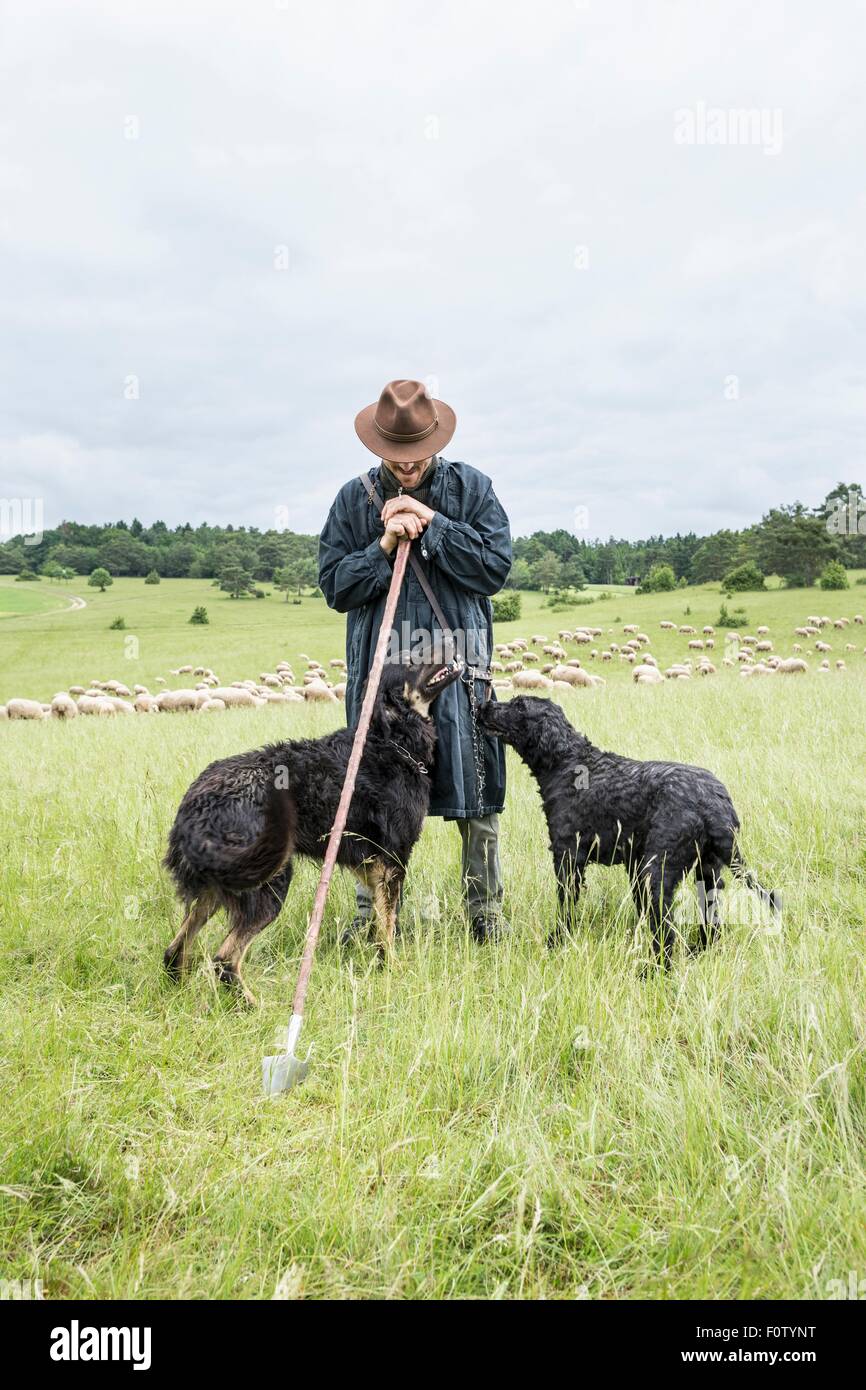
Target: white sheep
x=63, y=706
x=24, y=709
x=647, y=675
x=531, y=680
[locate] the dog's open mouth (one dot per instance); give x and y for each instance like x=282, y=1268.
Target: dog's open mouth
x=442, y=676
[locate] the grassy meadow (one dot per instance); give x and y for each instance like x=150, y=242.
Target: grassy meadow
x=496, y=1122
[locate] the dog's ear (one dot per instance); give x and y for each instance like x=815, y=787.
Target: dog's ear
x=389, y=706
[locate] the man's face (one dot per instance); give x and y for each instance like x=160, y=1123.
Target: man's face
x=409, y=475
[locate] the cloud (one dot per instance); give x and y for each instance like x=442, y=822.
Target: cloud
x=264, y=213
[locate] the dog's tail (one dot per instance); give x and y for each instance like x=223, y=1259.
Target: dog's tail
x=237, y=869
x=771, y=897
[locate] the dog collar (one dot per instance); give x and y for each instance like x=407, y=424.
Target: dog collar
x=404, y=752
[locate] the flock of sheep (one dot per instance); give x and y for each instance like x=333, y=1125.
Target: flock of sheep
x=754, y=655
x=110, y=698
x=517, y=667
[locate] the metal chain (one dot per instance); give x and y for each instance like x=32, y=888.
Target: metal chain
x=469, y=677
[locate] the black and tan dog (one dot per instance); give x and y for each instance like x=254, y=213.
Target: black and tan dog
x=244, y=819
x=661, y=820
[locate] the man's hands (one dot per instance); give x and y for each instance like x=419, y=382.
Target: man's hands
x=405, y=518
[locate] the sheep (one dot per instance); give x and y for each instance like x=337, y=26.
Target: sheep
x=211, y=706
x=749, y=640
x=687, y=630
x=849, y=647
x=572, y=675
x=76, y=690
x=840, y=665
x=858, y=618
x=706, y=668
x=643, y=639
x=763, y=646
x=183, y=671
x=745, y=655
x=582, y=638
x=668, y=627
x=120, y=706
x=796, y=647
x=519, y=643
x=339, y=691
x=337, y=663
x=146, y=704
x=180, y=701
x=823, y=647
x=649, y=659
x=514, y=666
x=630, y=629
x=696, y=645
x=801, y=632
x=607, y=656
x=160, y=680
x=317, y=690
x=763, y=632
x=529, y=657
x=4, y=713
x=791, y=666
x=25, y=709
x=574, y=661
x=63, y=706
x=531, y=680
x=673, y=672
x=538, y=640
x=710, y=643
x=647, y=675
x=98, y=705
x=709, y=631
x=841, y=622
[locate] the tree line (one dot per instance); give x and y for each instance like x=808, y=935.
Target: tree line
x=796, y=542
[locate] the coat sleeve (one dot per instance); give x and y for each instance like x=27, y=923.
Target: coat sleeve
x=476, y=553
x=349, y=577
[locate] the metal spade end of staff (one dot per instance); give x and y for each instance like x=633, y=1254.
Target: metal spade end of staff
x=284, y=1070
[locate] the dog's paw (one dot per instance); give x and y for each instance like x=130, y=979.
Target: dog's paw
x=173, y=964
x=233, y=982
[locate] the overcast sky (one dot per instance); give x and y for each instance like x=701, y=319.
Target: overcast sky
x=519, y=203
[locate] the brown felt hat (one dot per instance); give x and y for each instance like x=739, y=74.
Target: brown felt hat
x=405, y=424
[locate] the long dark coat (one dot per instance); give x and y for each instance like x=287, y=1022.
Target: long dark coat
x=466, y=550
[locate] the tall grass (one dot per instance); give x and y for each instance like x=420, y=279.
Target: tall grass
x=496, y=1122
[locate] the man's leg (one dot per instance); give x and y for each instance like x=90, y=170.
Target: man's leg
x=482, y=876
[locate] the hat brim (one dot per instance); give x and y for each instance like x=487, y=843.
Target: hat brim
x=405, y=453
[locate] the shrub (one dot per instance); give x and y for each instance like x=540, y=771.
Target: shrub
x=199, y=617
x=100, y=579
x=506, y=606
x=734, y=617
x=834, y=576
x=744, y=579
x=26, y=577
x=152, y=578
x=660, y=580
x=118, y=625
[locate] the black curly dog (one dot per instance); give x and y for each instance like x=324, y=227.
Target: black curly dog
x=661, y=820
x=244, y=819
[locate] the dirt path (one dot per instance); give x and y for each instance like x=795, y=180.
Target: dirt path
x=76, y=603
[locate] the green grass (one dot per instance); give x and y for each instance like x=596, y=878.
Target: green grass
x=494, y=1123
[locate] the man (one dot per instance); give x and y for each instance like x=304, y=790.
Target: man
x=461, y=540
